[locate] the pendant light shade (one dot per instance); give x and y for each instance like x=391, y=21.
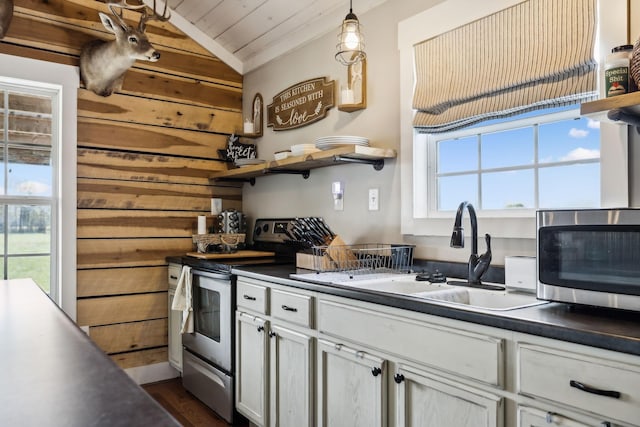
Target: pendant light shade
x=350, y=47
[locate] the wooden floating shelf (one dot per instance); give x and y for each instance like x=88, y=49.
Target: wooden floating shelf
x=301, y=164
x=628, y=103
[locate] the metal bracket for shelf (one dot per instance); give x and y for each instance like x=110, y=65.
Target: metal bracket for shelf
x=622, y=116
x=251, y=181
x=377, y=164
x=305, y=173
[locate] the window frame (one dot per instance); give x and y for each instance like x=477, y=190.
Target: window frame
x=430, y=163
x=428, y=24
x=32, y=72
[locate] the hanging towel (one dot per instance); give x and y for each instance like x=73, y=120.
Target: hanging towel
x=183, y=300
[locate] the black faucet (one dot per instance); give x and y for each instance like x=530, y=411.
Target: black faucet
x=478, y=265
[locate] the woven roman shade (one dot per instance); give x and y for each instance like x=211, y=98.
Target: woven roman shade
x=536, y=54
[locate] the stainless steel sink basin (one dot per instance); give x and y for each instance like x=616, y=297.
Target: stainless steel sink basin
x=481, y=299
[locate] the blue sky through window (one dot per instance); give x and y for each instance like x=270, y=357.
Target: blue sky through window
x=497, y=170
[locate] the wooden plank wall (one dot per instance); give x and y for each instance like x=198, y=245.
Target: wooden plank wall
x=143, y=159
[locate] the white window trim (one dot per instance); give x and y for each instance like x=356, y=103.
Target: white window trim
x=66, y=77
x=428, y=24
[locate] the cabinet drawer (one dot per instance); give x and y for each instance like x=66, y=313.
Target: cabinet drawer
x=251, y=296
x=476, y=356
x=173, y=274
x=558, y=376
x=292, y=307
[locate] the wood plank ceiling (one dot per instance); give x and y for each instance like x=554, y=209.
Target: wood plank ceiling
x=257, y=31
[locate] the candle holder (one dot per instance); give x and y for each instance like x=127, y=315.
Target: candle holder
x=353, y=97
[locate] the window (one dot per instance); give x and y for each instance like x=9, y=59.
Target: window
x=418, y=193
x=38, y=79
x=28, y=149
x=547, y=160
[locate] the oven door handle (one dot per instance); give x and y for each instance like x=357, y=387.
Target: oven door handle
x=217, y=276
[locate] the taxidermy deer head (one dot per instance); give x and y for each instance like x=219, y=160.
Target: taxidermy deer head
x=104, y=63
x=6, y=13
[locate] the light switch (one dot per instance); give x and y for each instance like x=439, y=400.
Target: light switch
x=374, y=202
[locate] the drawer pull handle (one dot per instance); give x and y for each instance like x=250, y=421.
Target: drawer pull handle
x=173, y=277
x=398, y=378
x=272, y=334
x=249, y=297
x=287, y=308
x=260, y=328
x=375, y=371
x=586, y=388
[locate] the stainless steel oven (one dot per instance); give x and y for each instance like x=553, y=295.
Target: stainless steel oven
x=589, y=256
x=208, y=351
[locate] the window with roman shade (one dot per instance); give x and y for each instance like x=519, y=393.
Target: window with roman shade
x=534, y=55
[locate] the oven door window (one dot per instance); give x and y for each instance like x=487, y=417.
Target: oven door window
x=206, y=312
x=599, y=258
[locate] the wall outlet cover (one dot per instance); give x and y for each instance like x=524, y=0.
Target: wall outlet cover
x=374, y=199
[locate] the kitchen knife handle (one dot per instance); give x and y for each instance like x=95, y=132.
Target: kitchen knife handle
x=599, y=392
x=287, y=308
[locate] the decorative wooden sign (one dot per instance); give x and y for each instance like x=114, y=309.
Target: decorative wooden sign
x=301, y=104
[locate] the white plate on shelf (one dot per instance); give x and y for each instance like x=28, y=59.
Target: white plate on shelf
x=248, y=162
x=329, y=142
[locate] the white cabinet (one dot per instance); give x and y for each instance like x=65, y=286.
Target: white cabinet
x=252, y=368
x=351, y=387
x=291, y=377
x=608, y=389
x=275, y=355
x=531, y=417
x=174, y=320
x=426, y=399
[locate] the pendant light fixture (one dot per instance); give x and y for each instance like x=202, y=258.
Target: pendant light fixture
x=350, y=45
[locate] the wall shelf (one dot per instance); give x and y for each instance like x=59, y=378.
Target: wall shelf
x=301, y=165
x=622, y=108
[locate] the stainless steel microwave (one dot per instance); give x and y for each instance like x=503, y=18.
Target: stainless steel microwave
x=589, y=256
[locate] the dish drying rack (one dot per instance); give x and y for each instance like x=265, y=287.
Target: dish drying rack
x=363, y=259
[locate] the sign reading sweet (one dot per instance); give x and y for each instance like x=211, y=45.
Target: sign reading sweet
x=301, y=104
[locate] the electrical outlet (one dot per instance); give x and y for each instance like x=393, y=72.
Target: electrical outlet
x=374, y=201
x=337, y=189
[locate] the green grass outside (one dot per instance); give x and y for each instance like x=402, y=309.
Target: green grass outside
x=35, y=267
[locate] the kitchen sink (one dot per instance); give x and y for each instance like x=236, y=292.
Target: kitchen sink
x=402, y=284
x=481, y=299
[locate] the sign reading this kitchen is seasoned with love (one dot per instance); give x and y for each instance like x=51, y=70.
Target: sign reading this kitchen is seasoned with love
x=301, y=104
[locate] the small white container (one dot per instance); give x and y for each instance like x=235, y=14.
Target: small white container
x=520, y=273
x=616, y=71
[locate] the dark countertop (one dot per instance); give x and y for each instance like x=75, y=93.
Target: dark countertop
x=596, y=327
x=54, y=375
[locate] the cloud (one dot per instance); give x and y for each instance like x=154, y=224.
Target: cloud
x=581, y=154
x=578, y=133
x=593, y=124
x=32, y=187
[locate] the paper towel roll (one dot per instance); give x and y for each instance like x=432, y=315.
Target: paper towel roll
x=202, y=224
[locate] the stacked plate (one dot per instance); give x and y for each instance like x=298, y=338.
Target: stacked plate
x=302, y=149
x=329, y=142
x=248, y=162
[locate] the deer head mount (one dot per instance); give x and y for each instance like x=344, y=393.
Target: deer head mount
x=104, y=63
x=6, y=13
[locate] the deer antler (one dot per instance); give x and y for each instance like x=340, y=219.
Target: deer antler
x=122, y=4
x=153, y=17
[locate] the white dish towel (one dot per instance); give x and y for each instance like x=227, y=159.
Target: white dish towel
x=183, y=300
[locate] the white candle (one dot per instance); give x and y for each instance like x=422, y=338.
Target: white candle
x=202, y=224
x=248, y=127
x=347, y=96
x=216, y=206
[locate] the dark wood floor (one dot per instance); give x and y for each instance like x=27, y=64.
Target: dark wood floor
x=185, y=408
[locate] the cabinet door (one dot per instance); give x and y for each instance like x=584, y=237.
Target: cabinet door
x=252, y=368
x=351, y=387
x=530, y=417
x=427, y=400
x=291, y=378
x=175, y=338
